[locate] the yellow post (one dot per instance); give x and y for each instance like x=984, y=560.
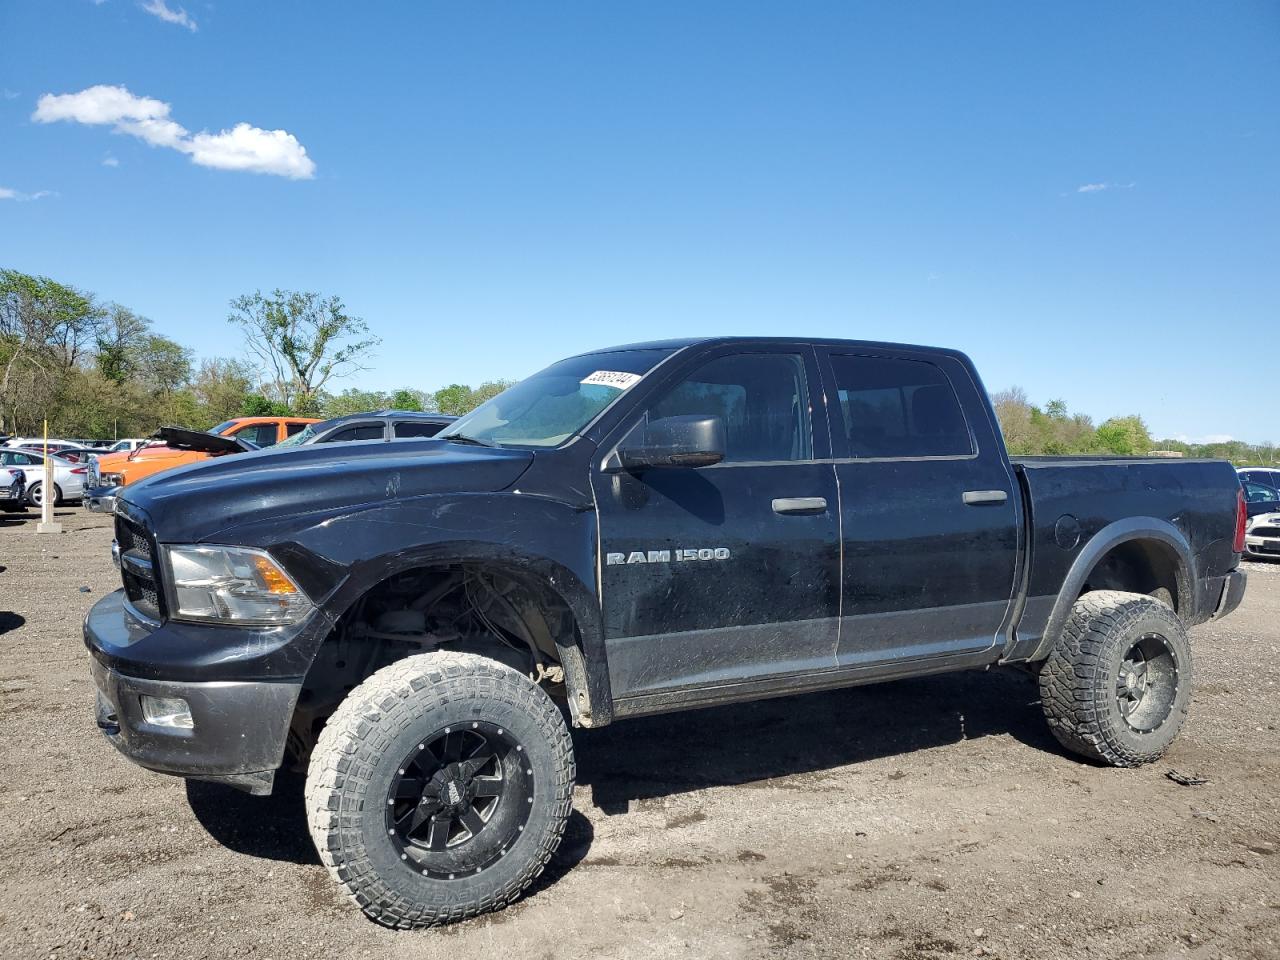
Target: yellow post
x=48, y=491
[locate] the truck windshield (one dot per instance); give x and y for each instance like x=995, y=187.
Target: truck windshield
x=551, y=406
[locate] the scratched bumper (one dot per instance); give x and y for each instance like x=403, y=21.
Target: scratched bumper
x=238, y=726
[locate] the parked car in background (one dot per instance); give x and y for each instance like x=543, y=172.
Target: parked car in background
x=76, y=454
x=54, y=442
x=13, y=490
x=376, y=425
x=68, y=477
x=1270, y=476
x=1262, y=535
x=1260, y=498
x=179, y=446
x=132, y=443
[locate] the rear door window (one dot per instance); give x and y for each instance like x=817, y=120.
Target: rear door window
x=896, y=408
x=360, y=431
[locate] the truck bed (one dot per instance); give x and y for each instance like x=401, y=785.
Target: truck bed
x=1069, y=501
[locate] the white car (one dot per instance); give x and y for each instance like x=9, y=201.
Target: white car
x=1262, y=537
x=68, y=477
x=38, y=442
x=132, y=443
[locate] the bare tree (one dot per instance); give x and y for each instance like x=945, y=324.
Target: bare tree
x=303, y=341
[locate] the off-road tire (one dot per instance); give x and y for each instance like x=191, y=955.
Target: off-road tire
x=1079, y=681
x=355, y=762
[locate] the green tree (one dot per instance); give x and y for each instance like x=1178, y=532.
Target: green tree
x=351, y=401
x=304, y=341
x=46, y=329
x=1127, y=436
x=406, y=399
x=455, y=399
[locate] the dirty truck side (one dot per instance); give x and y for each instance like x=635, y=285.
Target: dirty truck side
x=640, y=529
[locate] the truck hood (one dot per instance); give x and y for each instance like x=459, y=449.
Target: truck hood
x=199, y=501
x=180, y=438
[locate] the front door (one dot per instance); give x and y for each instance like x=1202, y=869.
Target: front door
x=731, y=572
x=929, y=511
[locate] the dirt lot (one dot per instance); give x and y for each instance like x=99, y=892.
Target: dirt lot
x=927, y=818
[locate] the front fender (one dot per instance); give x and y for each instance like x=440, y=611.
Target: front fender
x=550, y=540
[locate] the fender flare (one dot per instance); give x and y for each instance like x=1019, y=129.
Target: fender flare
x=593, y=710
x=1102, y=543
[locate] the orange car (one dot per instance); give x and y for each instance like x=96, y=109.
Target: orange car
x=184, y=446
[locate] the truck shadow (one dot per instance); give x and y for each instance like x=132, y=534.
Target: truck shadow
x=676, y=753
x=275, y=827
x=661, y=756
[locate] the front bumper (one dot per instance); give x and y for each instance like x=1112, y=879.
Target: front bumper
x=1268, y=547
x=100, y=499
x=238, y=729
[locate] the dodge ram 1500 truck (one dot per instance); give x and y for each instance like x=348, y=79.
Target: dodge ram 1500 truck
x=641, y=529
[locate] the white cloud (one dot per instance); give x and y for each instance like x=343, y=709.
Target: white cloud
x=1099, y=187
x=158, y=8
x=243, y=147
x=110, y=161
x=8, y=193
x=248, y=148
x=10, y=94
x=100, y=104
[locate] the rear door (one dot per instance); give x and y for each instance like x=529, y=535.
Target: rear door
x=929, y=514
x=731, y=572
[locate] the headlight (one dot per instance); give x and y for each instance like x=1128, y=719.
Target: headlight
x=109, y=479
x=232, y=585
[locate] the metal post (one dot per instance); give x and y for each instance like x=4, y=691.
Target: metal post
x=47, y=524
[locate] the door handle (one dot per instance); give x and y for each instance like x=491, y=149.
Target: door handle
x=975, y=497
x=787, y=505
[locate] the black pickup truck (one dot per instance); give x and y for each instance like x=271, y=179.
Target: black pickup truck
x=635, y=530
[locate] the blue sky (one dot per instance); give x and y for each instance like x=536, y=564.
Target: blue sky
x=1083, y=196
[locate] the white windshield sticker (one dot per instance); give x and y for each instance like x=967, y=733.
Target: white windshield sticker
x=613, y=378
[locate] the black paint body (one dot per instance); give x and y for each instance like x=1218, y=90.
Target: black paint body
x=833, y=570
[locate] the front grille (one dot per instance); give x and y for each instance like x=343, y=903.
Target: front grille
x=1265, y=532
x=138, y=570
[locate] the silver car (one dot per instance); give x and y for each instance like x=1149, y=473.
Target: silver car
x=68, y=477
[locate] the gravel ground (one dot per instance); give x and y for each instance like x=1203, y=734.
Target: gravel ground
x=919, y=819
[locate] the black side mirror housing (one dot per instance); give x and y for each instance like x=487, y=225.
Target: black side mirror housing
x=686, y=441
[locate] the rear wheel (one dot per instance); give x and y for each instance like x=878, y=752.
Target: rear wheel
x=1117, y=685
x=440, y=788
x=36, y=494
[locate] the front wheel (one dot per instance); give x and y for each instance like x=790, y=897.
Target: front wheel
x=440, y=788
x=1117, y=685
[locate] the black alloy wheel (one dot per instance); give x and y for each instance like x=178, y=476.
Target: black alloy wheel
x=459, y=800
x=1147, y=683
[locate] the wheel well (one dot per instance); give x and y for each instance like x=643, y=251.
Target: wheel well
x=491, y=609
x=1139, y=566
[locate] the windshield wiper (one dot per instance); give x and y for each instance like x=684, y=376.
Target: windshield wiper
x=463, y=438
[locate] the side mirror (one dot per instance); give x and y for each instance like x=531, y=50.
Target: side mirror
x=688, y=441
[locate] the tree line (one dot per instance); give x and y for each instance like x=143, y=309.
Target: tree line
x=1031, y=430
x=100, y=370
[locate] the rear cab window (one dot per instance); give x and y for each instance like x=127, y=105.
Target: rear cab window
x=417, y=428
x=896, y=408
